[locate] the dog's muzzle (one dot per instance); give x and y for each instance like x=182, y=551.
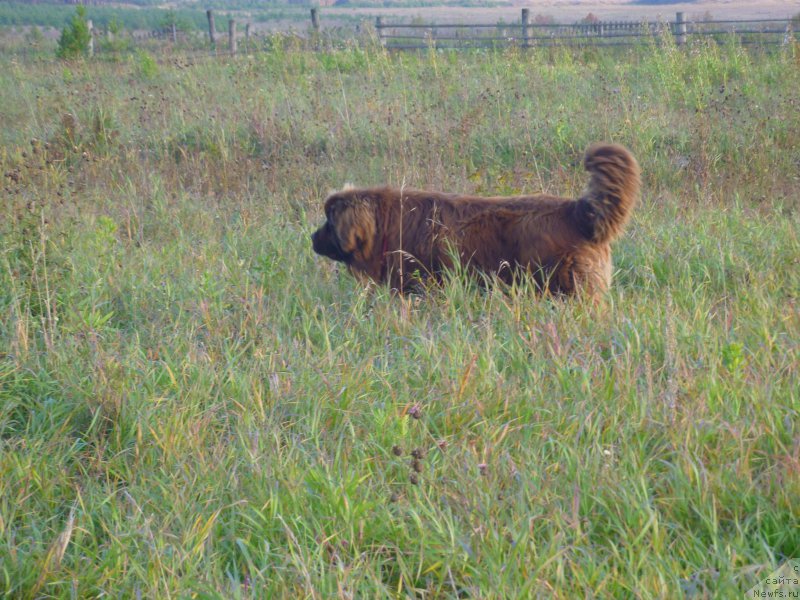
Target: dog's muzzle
x=325, y=244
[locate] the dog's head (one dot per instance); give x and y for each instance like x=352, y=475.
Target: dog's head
x=348, y=233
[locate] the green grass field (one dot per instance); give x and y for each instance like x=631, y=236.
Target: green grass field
x=192, y=404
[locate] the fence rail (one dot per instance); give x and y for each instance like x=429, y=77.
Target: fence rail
x=457, y=36
x=525, y=34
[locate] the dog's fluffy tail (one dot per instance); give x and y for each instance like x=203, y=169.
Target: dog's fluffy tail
x=604, y=210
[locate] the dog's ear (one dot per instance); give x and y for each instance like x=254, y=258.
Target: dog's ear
x=352, y=217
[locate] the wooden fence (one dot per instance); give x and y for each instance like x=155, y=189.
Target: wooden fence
x=462, y=36
x=524, y=34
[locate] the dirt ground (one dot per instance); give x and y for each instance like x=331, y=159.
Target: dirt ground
x=568, y=11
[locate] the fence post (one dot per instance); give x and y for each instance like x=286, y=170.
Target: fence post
x=379, y=30
x=212, y=32
x=174, y=34
x=315, y=28
x=526, y=26
x=232, y=36
x=90, y=25
x=247, y=38
x=680, y=29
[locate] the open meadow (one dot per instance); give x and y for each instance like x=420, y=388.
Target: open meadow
x=193, y=404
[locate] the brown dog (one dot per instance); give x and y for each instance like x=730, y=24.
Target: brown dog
x=401, y=237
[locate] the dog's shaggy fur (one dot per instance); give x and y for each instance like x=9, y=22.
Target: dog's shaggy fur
x=401, y=237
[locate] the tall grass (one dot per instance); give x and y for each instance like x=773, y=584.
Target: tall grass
x=192, y=403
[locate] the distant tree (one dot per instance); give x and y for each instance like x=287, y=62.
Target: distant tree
x=172, y=18
x=114, y=27
x=113, y=41
x=75, y=37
